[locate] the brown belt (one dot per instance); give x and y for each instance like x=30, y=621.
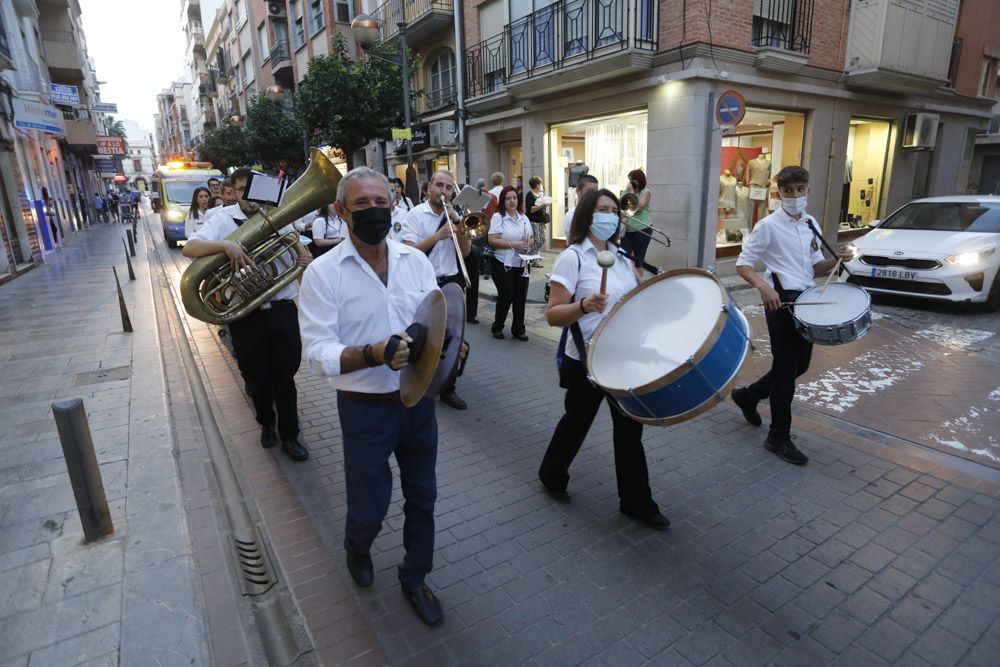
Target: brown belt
x=391, y=397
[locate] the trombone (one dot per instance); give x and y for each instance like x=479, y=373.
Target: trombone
x=454, y=238
x=627, y=205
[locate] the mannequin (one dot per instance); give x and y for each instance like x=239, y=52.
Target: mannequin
x=576, y=170
x=727, y=192
x=743, y=205
x=759, y=176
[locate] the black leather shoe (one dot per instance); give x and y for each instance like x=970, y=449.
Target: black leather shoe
x=454, y=400
x=361, y=569
x=498, y=335
x=472, y=320
x=656, y=521
x=424, y=603
x=521, y=336
x=268, y=438
x=786, y=450
x=746, y=404
x=296, y=450
x=559, y=495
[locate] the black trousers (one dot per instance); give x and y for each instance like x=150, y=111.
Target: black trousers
x=268, y=351
x=472, y=262
x=512, y=289
x=581, y=403
x=790, y=356
x=635, y=245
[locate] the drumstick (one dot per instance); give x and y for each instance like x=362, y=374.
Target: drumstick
x=808, y=303
x=836, y=267
x=606, y=259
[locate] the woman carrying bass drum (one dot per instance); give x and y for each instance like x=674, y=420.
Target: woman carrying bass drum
x=576, y=301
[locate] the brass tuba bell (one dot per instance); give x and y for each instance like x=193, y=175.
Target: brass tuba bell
x=212, y=292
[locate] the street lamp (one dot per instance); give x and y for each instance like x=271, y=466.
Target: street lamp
x=366, y=31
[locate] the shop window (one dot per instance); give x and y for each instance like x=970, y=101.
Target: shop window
x=607, y=148
x=761, y=145
x=864, y=173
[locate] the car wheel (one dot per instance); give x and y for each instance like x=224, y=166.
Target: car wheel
x=993, y=300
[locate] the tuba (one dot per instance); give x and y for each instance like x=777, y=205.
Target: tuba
x=212, y=292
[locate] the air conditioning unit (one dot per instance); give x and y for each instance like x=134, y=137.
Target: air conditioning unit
x=920, y=130
x=443, y=133
x=276, y=9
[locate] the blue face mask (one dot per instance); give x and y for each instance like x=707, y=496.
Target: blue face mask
x=604, y=225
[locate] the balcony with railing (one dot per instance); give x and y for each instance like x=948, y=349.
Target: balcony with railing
x=63, y=55
x=424, y=19
x=781, y=33
x=597, y=39
x=280, y=58
x=6, y=60
x=437, y=98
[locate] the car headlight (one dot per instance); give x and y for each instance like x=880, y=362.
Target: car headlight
x=969, y=258
x=174, y=216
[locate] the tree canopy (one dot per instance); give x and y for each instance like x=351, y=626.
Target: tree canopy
x=225, y=147
x=272, y=135
x=346, y=103
x=114, y=128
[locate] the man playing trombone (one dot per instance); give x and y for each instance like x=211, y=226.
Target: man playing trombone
x=430, y=228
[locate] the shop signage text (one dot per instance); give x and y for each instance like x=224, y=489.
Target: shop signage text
x=107, y=145
x=731, y=108
x=104, y=107
x=104, y=165
x=420, y=140
x=64, y=93
x=120, y=178
x=37, y=116
x=402, y=133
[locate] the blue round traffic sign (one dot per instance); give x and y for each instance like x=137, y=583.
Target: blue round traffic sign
x=731, y=108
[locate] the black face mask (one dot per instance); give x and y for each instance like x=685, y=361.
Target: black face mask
x=371, y=225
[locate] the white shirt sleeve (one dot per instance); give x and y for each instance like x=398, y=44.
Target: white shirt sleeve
x=412, y=231
x=190, y=225
x=319, y=323
x=754, y=246
x=566, y=270
x=496, y=224
x=212, y=229
x=319, y=228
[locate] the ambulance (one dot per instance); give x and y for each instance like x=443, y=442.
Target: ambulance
x=175, y=182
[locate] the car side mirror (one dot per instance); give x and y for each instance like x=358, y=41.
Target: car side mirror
x=874, y=223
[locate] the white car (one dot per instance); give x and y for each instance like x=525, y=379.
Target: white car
x=945, y=248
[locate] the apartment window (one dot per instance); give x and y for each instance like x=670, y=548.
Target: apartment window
x=239, y=77
x=136, y=165
x=343, y=9
x=248, y=72
x=956, y=53
x=262, y=41
x=989, y=73
x=316, y=18
x=240, y=12
x=442, y=71
x=298, y=24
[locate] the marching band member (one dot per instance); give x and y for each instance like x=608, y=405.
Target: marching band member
x=789, y=249
x=428, y=228
x=636, y=243
x=327, y=229
x=575, y=301
x=509, y=236
x=353, y=299
x=267, y=343
x=198, y=211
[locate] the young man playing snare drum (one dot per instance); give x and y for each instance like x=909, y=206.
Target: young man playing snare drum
x=790, y=251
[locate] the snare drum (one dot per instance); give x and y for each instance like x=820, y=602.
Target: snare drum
x=671, y=348
x=846, y=318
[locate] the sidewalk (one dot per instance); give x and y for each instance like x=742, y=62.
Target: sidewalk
x=130, y=598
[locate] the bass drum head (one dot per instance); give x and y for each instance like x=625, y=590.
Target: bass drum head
x=655, y=329
x=848, y=302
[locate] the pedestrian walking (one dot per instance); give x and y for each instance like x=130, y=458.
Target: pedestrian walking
x=577, y=302
x=510, y=236
x=790, y=251
x=100, y=212
x=537, y=213
x=353, y=300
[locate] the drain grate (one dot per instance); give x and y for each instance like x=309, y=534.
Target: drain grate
x=103, y=375
x=253, y=565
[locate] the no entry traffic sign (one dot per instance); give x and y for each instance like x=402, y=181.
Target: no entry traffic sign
x=731, y=108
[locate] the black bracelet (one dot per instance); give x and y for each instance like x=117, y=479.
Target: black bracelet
x=369, y=356
x=582, y=310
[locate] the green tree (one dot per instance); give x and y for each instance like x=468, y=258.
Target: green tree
x=347, y=103
x=271, y=134
x=114, y=128
x=225, y=147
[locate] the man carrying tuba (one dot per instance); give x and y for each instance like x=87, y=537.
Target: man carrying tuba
x=267, y=343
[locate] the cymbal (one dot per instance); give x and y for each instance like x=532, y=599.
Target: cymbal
x=416, y=377
x=454, y=299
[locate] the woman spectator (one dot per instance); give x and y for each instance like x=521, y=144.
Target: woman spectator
x=575, y=301
x=327, y=230
x=402, y=201
x=509, y=236
x=537, y=214
x=636, y=242
x=215, y=201
x=195, y=217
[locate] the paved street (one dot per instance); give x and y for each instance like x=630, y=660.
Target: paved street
x=879, y=551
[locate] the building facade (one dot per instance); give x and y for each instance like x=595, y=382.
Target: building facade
x=139, y=164
x=173, y=124
x=611, y=86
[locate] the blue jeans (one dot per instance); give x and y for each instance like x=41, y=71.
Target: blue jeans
x=372, y=432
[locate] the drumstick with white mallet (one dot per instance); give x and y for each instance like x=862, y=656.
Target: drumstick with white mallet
x=818, y=303
x=606, y=259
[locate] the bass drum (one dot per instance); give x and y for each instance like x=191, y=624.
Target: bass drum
x=671, y=348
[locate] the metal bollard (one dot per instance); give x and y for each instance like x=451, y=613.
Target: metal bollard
x=131, y=247
x=126, y=322
x=84, y=473
x=131, y=273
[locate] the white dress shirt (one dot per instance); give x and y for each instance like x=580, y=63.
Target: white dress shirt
x=510, y=229
x=192, y=224
x=422, y=222
x=222, y=223
x=399, y=213
x=495, y=191
x=329, y=228
x=586, y=280
x=344, y=303
x=786, y=246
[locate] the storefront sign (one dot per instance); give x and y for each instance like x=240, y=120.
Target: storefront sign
x=107, y=145
x=120, y=178
x=104, y=107
x=104, y=165
x=64, y=94
x=404, y=133
x=37, y=116
x=731, y=108
x=420, y=140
